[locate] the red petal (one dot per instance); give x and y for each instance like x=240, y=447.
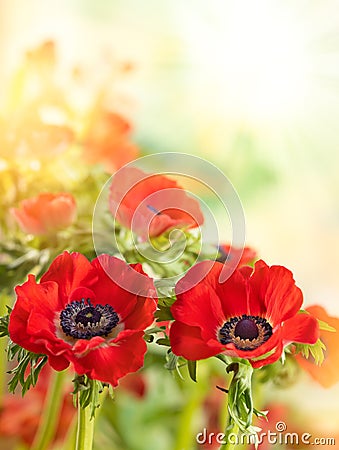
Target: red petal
x=113, y=272
x=301, y=328
x=112, y=362
x=186, y=341
x=269, y=359
x=283, y=298
x=142, y=315
x=44, y=297
x=83, y=293
x=233, y=293
x=258, y=286
x=58, y=362
x=32, y=299
x=70, y=270
x=133, y=191
x=201, y=309
x=83, y=346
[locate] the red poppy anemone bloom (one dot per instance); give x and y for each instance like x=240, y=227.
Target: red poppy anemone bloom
x=254, y=314
x=79, y=314
x=327, y=374
x=151, y=204
x=46, y=213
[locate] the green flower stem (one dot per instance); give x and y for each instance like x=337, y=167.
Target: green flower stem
x=85, y=431
x=196, y=393
x=230, y=433
x=50, y=415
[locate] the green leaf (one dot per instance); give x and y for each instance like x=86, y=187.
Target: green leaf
x=89, y=392
x=4, y=321
x=171, y=361
x=163, y=341
x=26, y=360
x=240, y=404
x=323, y=326
x=163, y=313
x=174, y=363
x=260, y=413
x=192, y=370
x=316, y=350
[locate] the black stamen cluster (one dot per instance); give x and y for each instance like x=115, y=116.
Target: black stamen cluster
x=82, y=320
x=246, y=328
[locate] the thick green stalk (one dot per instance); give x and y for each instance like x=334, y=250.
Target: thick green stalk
x=85, y=431
x=231, y=433
x=50, y=415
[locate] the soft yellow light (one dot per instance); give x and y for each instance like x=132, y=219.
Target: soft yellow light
x=254, y=60
x=3, y=165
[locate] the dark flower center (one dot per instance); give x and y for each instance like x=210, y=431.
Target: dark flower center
x=246, y=329
x=245, y=332
x=81, y=320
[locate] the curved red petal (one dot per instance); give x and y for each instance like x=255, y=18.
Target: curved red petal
x=32, y=299
x=186, y=341
x=270, y=359
x=233, y=293
x=201, y=309
x=58, y=362
x=302, y=328
x=258, y=286
x=69, y=271
x=43, y=296
x=113, y=272
x=109, y=363
x=282, y=297
x=83, y=346
x=83, y=293
x=136, y=197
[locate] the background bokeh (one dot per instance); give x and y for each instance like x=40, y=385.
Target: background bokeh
x=251, y=86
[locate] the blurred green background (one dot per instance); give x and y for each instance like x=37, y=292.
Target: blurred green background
x=251, y=86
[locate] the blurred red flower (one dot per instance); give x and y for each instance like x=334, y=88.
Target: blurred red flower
x=20, y=416
x=328, y=373
x=134, y=383
x=229, y=253
x=252, y=315
x=151, y=204
x=46, y=213
x=79, y=314
x=107, y=141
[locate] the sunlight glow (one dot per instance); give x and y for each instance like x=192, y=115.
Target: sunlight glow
x=259, y=60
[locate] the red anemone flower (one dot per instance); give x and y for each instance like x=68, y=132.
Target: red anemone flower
x=46, y=213
x=79, y=314
x=151, y=204
x=252, y=315
x=328, y=373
